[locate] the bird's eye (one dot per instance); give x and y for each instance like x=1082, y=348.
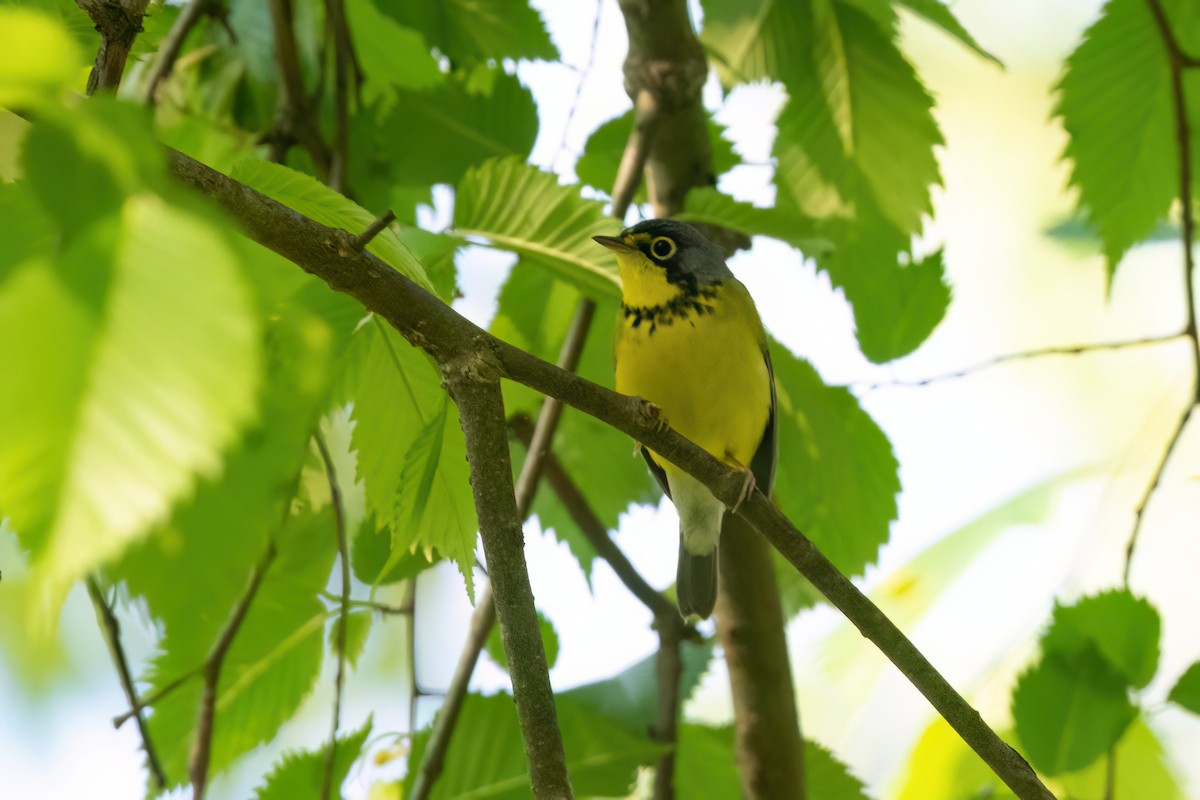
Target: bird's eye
x=662, y=248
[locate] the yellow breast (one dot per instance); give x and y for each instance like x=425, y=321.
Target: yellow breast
x=703, y=365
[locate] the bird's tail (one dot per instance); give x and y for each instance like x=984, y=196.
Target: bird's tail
x=696, y=582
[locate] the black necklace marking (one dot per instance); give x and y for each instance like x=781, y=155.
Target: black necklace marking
x=682, y=306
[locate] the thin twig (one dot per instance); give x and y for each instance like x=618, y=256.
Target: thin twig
x=376, y=227
x=636, y=153
x=442, y=333
x=345, y=69
x=1065, y=350
x=118, y=22
x=154, y=697
x=295, y=117
x=1178, y=61
x=339, y=524
x=202, y=747
x=172, y=44
x=111, y=628
x=583, y=76
x=385, y=609
x=484, y=616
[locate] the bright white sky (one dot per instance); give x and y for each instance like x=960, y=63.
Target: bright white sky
x=965, y=445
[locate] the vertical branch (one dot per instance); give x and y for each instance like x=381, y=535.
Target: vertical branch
x=295, y=118
x=112, y=638
x=484, y=617
x=172, y=44
x=345, y=70
x=1178, y=61
x=202, y=747
x=339, y=521
x=475, y=386
x=119, y=22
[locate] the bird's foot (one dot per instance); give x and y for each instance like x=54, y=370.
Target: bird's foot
x=748, y=483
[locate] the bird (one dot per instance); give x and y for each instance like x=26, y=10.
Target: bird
x=690, y=341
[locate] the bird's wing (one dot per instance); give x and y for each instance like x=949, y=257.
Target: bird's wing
x=658, y=472
x=767, y=455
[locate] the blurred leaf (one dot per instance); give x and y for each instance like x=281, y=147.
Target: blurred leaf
x=709, y=206
x=1115, y=103
x=1186, y=691
x=519, y=208
x=477, y=30
x=487, y=756
x=630, y=697
x=943, y=767
x=31, y=230
x=371, y=550
x=1069, y=710
x=156, y=368
x=705, y=767
x=411, y=455
x=1141, y=771
x=602, y=153
x=495, y=647
x=300, y=775
x=837, y=478
x=270, y=667
x=911, y=590
x=318, y=202
x=434, y=136
x=1075, y=230
x=358, y=626
x=390, y=55
x=937, y=13
x=40, y=57
x=1123, y=628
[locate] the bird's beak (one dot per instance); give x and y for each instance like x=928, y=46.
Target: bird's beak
x=615, y=243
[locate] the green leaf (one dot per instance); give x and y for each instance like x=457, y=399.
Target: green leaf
x=322, y=204
x=31, y=232
x=602, y=153
x=1123, y=628
x=390, y=55
x=155, y=372
x=477, y=30
x=1069, y=710
x=629, y=698
x=434, y=136
x=40, y=57
x=411, y=455
x=358, y=626
x=705, y=767
x=1186, y=691
x=371, y=550
x=1142, y=770
x=519, y=208
x=1115, y=103
x=495, y=646
x=487, y=756
x=942, y=767
x=271, y=665
x=710, y=207
x=896, y=308
x=837, y=478
x=300, y=775
x=937, y=13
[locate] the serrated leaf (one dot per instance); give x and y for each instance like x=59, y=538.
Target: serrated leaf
x=708, y=206
x=1123, y=628
x=371, y=549
x=271, y=665
x=487, y=757
x=1069, y=710
x=629, y=697
x=477, y=30
x=300, y=775
x=597, y=165
x=937, y=13
x=390, y=55
x=41, y=57
x=837, y=478
x=317, y=201
x=1115, y=102
x=435, y=136
x=155, y=370
x=519, y=208
x=495, y=645
x=407, y=436
x=705, y=767
x=1186, y=691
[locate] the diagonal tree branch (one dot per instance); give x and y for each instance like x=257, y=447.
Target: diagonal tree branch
x=442, y=333
x=111, y=628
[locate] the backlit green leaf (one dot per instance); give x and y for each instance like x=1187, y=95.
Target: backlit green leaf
x=390, y=55
x=519, y=208
x=937, y=13
x=300, y=776
x=1186, y=691
x=40, y=57
x=466, y=30
x=1125, y=629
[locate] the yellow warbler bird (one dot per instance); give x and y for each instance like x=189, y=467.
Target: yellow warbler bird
x=690, y=341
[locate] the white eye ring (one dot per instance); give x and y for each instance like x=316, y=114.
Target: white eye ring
x=655, y=251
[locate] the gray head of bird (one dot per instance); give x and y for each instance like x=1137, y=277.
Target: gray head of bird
x=675, y=250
